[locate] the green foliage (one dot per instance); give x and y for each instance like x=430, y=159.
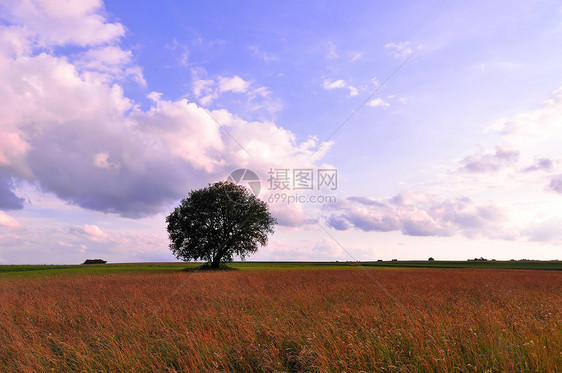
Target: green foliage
x=217, y=223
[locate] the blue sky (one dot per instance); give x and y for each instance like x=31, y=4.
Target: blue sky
x=456, y=156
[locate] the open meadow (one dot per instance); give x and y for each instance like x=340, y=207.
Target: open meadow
x=286, y=317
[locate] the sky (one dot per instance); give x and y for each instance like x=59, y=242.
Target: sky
x=378, y=130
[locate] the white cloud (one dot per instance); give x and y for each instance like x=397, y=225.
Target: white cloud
x=67, y=125
x=340, y=83
x=378, y=102
x=208, y=90
x=106, y=58
x=353, y=91
x=526, y=164
x=60, y=22
x=113, y=61
x=205, y=90
x=535, y=132
x=233, y=84
x=184, y=130
x=248, y=99
x=399, y=49
x=328, y=84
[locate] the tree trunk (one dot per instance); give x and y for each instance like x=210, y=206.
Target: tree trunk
x=217, y=259
x=216, y=262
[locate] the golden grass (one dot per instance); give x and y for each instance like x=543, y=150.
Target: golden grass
x=464, y=320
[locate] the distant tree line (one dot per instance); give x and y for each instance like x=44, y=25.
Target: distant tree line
x=94, y=261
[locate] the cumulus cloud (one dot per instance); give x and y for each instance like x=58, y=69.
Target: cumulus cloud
x=328, y=84
x=63, y=22
x=419, y=214
x=112, y=62
x=340, y=83
x=378, y=102
x=490, y=162
x=67, y=126
x=233, y=84
x=245, y=95
x=338, y=222
x=205, y=90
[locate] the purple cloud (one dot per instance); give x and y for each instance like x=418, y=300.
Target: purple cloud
x=490, y=162
x=541, y=164
x=366, y=201
x=8, y=200
x=338, y=222
x=366, y=222
x=544, y=231
x=419, y=214
x=556, y=184
x=422, y=228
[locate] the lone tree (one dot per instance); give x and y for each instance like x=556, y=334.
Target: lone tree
x=218, y=222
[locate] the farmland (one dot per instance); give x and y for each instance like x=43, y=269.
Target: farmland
x=280, y=317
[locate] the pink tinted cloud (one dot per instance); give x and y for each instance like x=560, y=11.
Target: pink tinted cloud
x=9, y=222
x=67, y=125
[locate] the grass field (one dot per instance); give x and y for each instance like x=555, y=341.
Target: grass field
x=11, y=271
x=280, y=317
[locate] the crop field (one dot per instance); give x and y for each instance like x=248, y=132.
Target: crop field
x=279, y=318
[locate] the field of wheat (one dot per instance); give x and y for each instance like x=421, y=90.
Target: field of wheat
x=465, y=320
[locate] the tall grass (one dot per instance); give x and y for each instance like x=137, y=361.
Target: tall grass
x=462, y=320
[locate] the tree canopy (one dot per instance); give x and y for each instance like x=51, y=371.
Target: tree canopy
x=217, y=223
